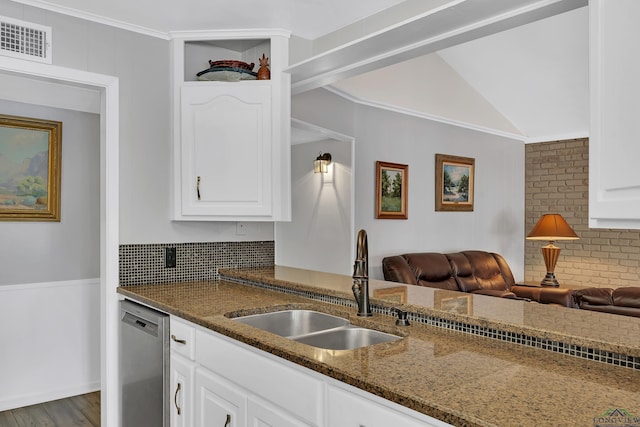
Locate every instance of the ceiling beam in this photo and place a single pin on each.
(456, 22)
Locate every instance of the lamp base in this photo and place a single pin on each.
(550, 280)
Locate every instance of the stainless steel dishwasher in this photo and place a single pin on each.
(144, 366)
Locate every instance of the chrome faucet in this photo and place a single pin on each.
(361, 275)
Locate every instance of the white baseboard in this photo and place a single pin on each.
(47, 396)
(51, 341)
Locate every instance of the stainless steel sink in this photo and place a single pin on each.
(316, 329)
(346, 338)
(293, 323)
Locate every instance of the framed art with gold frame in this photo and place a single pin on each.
(454, 183)
(392, 182)
(31, 153)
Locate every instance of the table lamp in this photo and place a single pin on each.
(551, 227)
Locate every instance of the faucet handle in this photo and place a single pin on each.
(402, 316)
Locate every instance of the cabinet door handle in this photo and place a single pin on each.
(175, 398)
(179, 341)
(198, 188)
(228, 422)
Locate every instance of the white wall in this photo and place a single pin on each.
(49, 291)
(50, 251)
(497, 222)
(51, 341)
(142, 65)
(319, 237)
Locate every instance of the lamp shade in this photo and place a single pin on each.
(552, 227)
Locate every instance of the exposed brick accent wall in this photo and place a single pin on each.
(557, 180)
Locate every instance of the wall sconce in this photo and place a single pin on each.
(321, 163)
(551, 227)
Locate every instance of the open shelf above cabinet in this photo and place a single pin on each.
(231, 130)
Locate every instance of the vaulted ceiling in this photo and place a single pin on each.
(529, 83)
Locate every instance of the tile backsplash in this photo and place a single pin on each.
(142, 264)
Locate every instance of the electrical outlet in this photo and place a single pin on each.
(170, 257)
(241, 228)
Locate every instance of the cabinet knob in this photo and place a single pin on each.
(179, 341)
(227, 423)
(198, 188)
(175, 399)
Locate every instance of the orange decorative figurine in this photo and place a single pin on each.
(263, 71)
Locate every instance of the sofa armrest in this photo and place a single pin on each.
(559, 296)
(495, 293)
(397, 269)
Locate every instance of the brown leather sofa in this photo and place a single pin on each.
(624, 301)
(476, 272)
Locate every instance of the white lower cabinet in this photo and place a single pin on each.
(231, 384)
(219, 403)
(261, 414)
(181, 386)
(182, 371)
(348, 409)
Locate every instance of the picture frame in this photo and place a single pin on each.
(392, 180)
(396, 294)
(456, 305)
(30, 169)
(454, 183)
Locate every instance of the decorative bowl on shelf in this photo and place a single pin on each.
(226, 74)
(231, 63)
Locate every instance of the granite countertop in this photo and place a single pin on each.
(602, 331)
(461, 379)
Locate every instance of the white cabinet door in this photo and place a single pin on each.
(226, 151)
(346, 409)
(614, 181)
(260, 414)
(275, 380)
(181, 386)
(219, 403)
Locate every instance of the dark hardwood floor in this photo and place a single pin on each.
(83, 410)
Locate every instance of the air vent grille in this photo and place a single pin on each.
(25, 40)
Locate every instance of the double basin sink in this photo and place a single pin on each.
(317, 329)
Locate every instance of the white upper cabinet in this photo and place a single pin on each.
(614, 177)
(231, 134)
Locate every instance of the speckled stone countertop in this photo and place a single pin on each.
(461, 379)
(603, 331)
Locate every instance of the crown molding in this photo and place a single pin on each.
(426, 116)
(94, 18)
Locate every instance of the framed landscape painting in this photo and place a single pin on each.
(454, 183)
(30, 161)
(391, 190)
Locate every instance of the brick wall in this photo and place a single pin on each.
(556, 181)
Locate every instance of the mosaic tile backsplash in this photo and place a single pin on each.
(145, 264)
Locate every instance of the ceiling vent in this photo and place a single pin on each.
(24, 40)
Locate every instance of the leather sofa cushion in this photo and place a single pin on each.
(481, 270)
(396, 269)
(432, 269)
(463, 272)
(594, 296)
(626, 297)
(624, 301)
